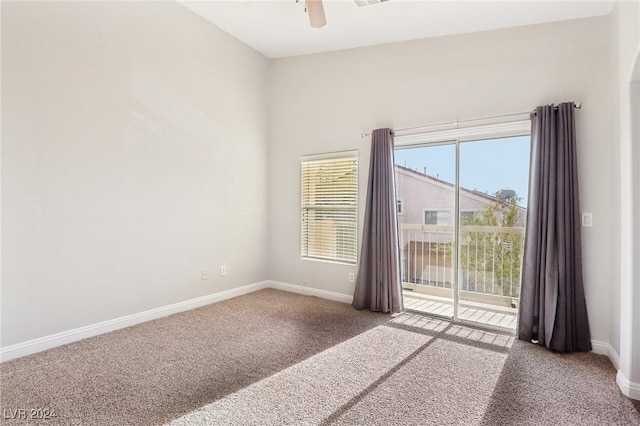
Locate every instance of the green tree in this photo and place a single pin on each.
(491, 248)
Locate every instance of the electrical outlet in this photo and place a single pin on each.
(223, 271)
(204, 274)
(352, 277)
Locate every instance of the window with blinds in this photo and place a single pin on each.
(329, 208)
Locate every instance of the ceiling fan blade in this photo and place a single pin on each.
(316, 13)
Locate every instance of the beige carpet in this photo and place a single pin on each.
(272, 357)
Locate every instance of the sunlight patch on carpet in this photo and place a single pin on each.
(447, 383)
(312, 390)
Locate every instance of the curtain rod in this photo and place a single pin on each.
(576, 105)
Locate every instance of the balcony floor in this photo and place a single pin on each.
(478, 313)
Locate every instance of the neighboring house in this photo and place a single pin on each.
(427, 200)
(490, 258)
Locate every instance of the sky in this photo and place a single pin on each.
(487, 165)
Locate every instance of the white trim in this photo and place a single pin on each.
(330, 155)
(58, 339)
(489, 131)
(613, 356)
(600, 348)
(332, 261)
(310, 291)
(627, 387)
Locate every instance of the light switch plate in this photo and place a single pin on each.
(587, 219)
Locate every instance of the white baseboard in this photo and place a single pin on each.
(309, 291)
(58, 339)
(47, 342)
(613, 356)
(629, 388)
(600, 348)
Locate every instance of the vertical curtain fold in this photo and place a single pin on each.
(553, 310)
(378, 286)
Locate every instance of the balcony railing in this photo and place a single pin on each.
(490, 260)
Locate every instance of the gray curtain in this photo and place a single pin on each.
(378, 287)
(553, 311)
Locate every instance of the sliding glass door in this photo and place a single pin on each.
(426, 197)
(461, 215)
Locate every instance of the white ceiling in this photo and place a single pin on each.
(279, 28)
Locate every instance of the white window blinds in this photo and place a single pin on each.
(329, 208)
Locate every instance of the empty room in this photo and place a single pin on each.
(315, 212)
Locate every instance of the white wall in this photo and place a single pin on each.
(616, 254)
(322, 102)
(135, 149)
(625, 310)
(133, 155)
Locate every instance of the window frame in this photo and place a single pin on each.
(424, 216)
(353, 208)
(472, 211)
